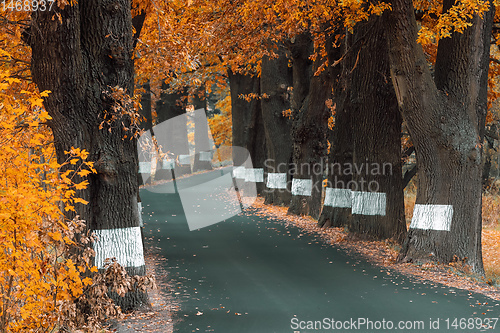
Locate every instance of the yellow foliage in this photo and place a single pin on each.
(287, 113)
(37, 280)
(456, 19)
(221, 124)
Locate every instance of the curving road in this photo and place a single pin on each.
(249, 274)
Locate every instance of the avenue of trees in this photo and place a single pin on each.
(320, 93)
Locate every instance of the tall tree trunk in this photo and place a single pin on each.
(301, 49)
(377, 196)
(203, 151)
(171, 133)
(275, 80)
(310, 124)
(147, 121)
(145, 111)
(79, 58)
(248, 127)
(490, 145)
(336, 210)
(445, 120)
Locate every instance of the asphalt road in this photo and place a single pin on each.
(249, 274)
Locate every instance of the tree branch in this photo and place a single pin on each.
(409, 174)
(495, 60)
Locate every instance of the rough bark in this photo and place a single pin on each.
(309, 135)
(340, 156)
(486, 180)
(248, 126)
(79, 57)
(377, 144)
(340, 137)
(275, 80)
(301, 50)
(445, 120)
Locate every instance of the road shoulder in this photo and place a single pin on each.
(379, 253)
(158, 318)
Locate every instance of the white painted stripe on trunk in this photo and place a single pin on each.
(255, 175)
(139, 209)
(239, 172)
(168, 164)
(184, 159)
(206, 156)
(144, 167)
(124, 244)
(276, 180)
(301, 187)
(368, 203)
(432, 217)
(338, 197)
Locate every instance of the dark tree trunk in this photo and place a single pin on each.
(145, 111)
(409, 174)
(248, 126)
(445, 119)
(491, 134)
(490, 144)
(377, 193)
(172, 134)
(79, 58)
(275, 80)
(147, 121)
(203, 151)
(310, 125)
(336, 210)
(300, 51)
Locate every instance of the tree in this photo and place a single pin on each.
(146, 123)
(377, 196)
(276, 84)
(248, 127)
(311, 90)
(201, 139)
(445, 118)
(82, 53)
(221, 126)
(337, 203)
(39, 279)
(145, 111)
(171, 134)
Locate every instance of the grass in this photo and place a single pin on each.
(491, 211)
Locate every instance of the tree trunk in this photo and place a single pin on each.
(377, 193)
(490, 144)
(275, 80)
(79, 58)
(301, 50)
(147, 122)
(203, 151)
(172, 134)
(336, 210)
(445, 121)
(248, 127)
(310, 125)
(145, 111)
